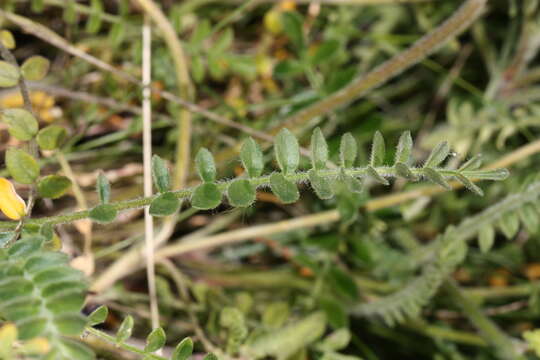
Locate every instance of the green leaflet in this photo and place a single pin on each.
(206, 167)
(437, 156)
(252, 158)
(183, 350)
(9, 75)
(51, 137)
(434, 176)
(348, 150)
(155, 340)
(241, 193)
(319, 150)
(160, 174)
(321, 185)
(164, 205)
(486, 238)
(206, 196)
(285, 190)
(372, 173)
(103, 213)
(103, 188)
(53, 186)
(404, 148)
(378, 150)
(22, 124)
(125, 330)
(35, 68)
(98, 316)
(22, 166)
(287, 151)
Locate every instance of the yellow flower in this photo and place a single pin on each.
(11, 204)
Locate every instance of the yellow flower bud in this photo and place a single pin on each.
(11, 204)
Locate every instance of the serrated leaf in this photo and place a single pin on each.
(509, 224)
(404, 148)
(164, 205)
(469, 184)
(22, 166)
(319, 150)
(22, 125)
(372, 173)
(53, 186)
(160, 174)
(206, 167)
(9, 75)
(321, 185)
(98, 316)
(472, 164)
(404, 171)
(241, 193)
(103, 188)
(183, 350)
(348, 149)
(529, 217)
(378, 150)
(496, 174)
(284, 189)
(486, 238)
(155, 340)
(206, 196)
(287, 151)
(103, 213)
(51, 137)
(438, 154)
(436, 177)
(125, 329)
(35, 68)
(252, 158)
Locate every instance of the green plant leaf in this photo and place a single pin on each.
(6, 37)
(348, 149)
(275, 314)
(210, 356)
(241, 193)
(252, 158)
(351, 183)
(160, 174)
(404, 171)
(98, 316)
(9, 75)
(284, 189)
(22, 166)
(22, 124)
(343, 283)
(155, 340)
(337, 340)
(496, 174)
(321, 185)
(319, 150)
(35, 68)
(206, 196)
(472, 164)
(183, 350)
(469, 184)
(287, 151)
(438, 154)
(404, 148)
(292, 25)
(509, 224)
(378, 150)
(125, 330)
(103, 213)
(51, 137)
(164, 205)
(486, 238)
(325, 52)
(103, 188)
(53, 186)
(206, 168)
(529, 217)
(94, 20)
(434, 176)
(376, 176)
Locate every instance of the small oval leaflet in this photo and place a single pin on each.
(22, 124)
(404, 171)
(160, 174)
(378, 150)
(9, 75)
(486, 238)
(206, 168)
(252, 158)
(35, 68)
(53, 186)
(321, 185)
(376, 176)
(183, 350)
(155, 340)
(51, 137)
(348, 149)
(241, 193)
(436, 177)
(206, 196)
(164, 205)
(287, 151)
(319, 150)
(98, 316)
(103, 213)
(509, 224)
(404, 148)
(22, 166)
(103, 188)
(284, 189)
(125, 329)
(437, 155)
